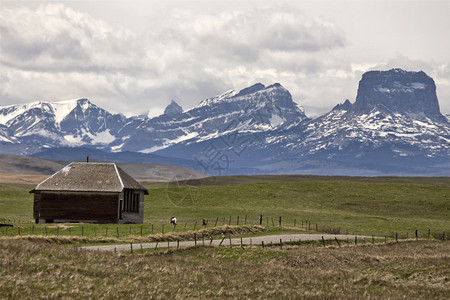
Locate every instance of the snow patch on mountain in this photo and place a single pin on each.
(62, 109)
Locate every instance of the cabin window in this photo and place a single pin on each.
(130, 201)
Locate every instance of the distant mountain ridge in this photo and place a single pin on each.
(394, 127)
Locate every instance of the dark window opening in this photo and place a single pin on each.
(130, 201)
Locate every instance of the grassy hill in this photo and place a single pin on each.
(357, 206)
(16, 168)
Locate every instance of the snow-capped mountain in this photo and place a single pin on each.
(394, 127)
(64, 123)
(254, 109)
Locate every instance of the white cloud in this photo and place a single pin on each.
(184, 52)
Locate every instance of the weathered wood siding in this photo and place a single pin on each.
(76, 206)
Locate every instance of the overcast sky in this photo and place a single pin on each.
(135, 56)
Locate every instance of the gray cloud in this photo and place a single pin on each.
(186, 52)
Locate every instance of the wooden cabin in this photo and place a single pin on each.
(91, 193)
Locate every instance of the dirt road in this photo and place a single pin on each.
(267, 239)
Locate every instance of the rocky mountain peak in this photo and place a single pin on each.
(250, 90)
(400, 91)
(173, 108)
(343, 106)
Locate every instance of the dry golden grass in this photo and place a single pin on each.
(418, 270)
(22, 178)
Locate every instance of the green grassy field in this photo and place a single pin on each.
(372, 206)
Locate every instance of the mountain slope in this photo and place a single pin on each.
(394, 127)
(255, 109)
(55, 124)
(400, 132)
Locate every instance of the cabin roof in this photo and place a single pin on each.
(90, 177)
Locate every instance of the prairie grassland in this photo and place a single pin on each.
(357, 207)
(361, 206)
(414, 270)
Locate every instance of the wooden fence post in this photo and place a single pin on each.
(220, 244)
(396, 237)
(242, 245)
(337, 241)
(217, 219)
(229, 237)
(195, 224)
(323, 241)
(156, 246)
(279, 222)
(417, 234)
(195, 239)
(262, 244)
(131, 247)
